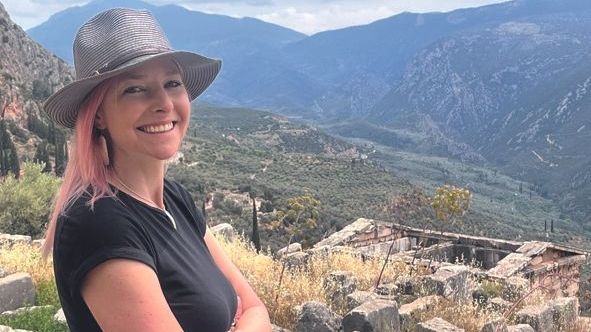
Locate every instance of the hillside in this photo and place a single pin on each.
(513, 95)
(28, 75)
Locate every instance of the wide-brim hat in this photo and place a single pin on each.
(116, 41)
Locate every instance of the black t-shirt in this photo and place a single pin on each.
(199, 295)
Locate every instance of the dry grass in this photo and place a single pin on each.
(299, 286)
(25, 258)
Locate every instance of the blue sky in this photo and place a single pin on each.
(307, 16)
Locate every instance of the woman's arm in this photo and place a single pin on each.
(254, 316)
(125, 295)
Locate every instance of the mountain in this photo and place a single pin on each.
(514, 94)
(28, 75)
(247, 46)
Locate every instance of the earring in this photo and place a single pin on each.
(104, 150)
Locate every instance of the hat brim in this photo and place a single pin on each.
(198, 73)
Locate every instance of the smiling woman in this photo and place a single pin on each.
(131, 251)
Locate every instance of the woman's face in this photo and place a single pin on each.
(146, 113)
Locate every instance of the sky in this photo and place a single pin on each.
(306, 16)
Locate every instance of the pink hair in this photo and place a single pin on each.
(85, 172)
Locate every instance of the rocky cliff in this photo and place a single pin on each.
(28, 75)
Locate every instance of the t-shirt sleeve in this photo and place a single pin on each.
(89, 238)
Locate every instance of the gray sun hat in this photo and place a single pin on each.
(115, 41)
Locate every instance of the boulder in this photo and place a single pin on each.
(495, 325)
(450, 282)
(316, 316)
(437, 325)
(224, 230)
(10, 240)
(60, 316)
(520, 328)
(565, 311)
(294, 247)
(388, 289)
(373, 316)
(357, 298)
(409, 313)
(297, 260)
(9, 329)
(540, 317)
(16, 291)
(338, 285)
(406, 285)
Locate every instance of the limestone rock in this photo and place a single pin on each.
(437, 325)
(386, 289)
(495, 325)
(275, 328)
(357, 298)
(520, 328)
(294, 247)
(16, 291)
(540, 317)
(315, 316)
(450, 282)
(373, 316)
(224, 230)
(409, 313)
(499, 305)
(338, 285)
(11, 240)
(565, 311)
(296, 260)
(60, 316)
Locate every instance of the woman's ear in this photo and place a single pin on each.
(99, 120)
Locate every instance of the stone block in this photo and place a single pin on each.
(409, 313)
(565, 311)
(450, 282)
(296, 261)
(338, 285)
(540, 317)
(16, 291)
(294, 247)
(316, 316)
(495, 325)
(224, 230)
(373, 316)
(520, 328)
(60, 316)
(357, 298)
(437, 325)
(406, 285)
(9, 240)
(386, 289)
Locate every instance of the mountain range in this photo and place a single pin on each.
(503, 85)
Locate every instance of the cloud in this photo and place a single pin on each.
(308, 16)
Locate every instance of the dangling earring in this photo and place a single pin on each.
(104, 150)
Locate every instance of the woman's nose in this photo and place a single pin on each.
(162, 100)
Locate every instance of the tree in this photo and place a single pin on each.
(42, 156)
(256, 238)
(25, 203)
(450, 204)
(9, 162)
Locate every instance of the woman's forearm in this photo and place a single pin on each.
(254, 319)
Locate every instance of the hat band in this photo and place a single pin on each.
(118, 62)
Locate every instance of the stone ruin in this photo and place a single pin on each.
(399, 306)
(453, 261)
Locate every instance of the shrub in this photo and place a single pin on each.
(25, 203)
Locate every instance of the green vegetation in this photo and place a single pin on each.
(232, 149)
(40, 319)
(25, 203)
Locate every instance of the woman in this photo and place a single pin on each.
(131, 251)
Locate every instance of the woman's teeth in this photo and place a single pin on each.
(157, 129)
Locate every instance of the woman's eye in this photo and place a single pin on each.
(133, 89)
(174, 84)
